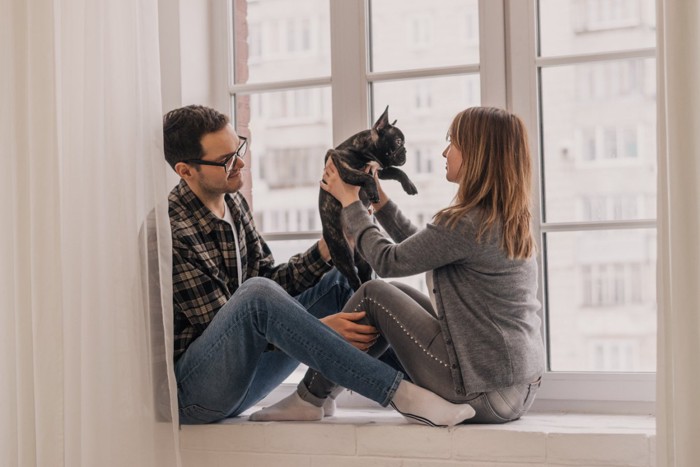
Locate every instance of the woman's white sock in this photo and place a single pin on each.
(421, 406)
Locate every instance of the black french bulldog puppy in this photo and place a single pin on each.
(381, 146)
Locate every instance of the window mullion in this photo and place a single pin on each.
(349, 66)
(522, 91)
(492, 53)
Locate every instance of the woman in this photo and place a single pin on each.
(476, 338)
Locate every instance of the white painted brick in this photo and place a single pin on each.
(200, 458)
(225, 437)
(404, 441)
(598, 449)
(445, 463)
(475, 443)
(337, 461)
(268, 460)
(310, 438)
(243, 459)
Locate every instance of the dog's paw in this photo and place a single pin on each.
(373, 196)
(409, 188)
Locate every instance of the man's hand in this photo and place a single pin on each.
(323, 249)
(361, 336)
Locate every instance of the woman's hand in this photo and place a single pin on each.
(331, 182)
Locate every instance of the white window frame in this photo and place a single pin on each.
(509, 71)
(569, 391)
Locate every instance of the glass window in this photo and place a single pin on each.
(601, 288)
(281, 40)
(409, 34)
(591, 113)
(291, 132)
(571, 27)
(598, 134)
(602, 145)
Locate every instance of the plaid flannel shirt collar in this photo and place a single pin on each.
(199, 213)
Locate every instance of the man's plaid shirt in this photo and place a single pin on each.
(204, 261)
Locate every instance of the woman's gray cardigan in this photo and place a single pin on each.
(487, 303)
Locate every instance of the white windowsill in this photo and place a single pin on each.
(381, 437)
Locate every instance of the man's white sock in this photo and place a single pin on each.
(290, 408)
(329, 407)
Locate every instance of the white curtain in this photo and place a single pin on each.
(678, 376)
(85, 367)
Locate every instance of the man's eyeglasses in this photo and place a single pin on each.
(230, 162)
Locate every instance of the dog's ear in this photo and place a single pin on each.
(382, 122)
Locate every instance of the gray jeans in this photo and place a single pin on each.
(407, 322)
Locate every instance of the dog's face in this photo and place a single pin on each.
(387, 142)
(383, 143)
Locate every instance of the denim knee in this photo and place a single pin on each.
(376, 288)
(259, 286)
(257, 294)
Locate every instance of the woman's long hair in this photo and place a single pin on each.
(495, 176)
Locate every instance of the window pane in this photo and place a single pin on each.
(410, 34)
(424, 109)
(599, 141)
(601, 300)
(571, 27)
(279, 39)
(290, 134)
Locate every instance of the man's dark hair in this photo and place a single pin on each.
(183, 129)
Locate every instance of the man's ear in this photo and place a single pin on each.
(382, 122)
(183, 170)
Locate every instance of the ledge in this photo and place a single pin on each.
(380, 437)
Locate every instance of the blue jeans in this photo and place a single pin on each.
(229, 368)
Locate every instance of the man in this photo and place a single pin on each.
(216, 248)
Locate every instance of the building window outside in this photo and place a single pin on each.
(610, 143)
(613, 80)
(470, 36)
(607, 285)
(601, 15)
(425, 160)
(613, 207)
(420, 32)
(614, 354)
(423, 97)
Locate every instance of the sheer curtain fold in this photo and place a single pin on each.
(678, 375)
(86, 346)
